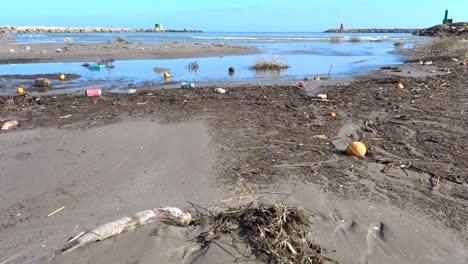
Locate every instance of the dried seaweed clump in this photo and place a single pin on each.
(275, 234)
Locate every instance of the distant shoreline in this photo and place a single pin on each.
(40, 29)
(373, 30)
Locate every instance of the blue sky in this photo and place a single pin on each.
(239, 15)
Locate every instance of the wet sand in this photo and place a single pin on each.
(74, 52)
(109, 157)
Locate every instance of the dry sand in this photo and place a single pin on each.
(73, 52)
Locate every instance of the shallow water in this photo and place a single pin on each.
(307, 54)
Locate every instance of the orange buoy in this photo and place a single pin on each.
(167, 75)
(357, 149)
(20, 90)
(332, 115)
(400, 85)
(62, 77)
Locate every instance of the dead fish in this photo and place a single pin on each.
(168, 215)
(9, 125)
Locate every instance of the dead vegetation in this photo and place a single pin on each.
(274, 233)
(271, 64)
(192, 66)
(447, 47)
(398, 44)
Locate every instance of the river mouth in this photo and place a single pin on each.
(306, 54)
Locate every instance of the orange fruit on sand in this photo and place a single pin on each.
(62, 77)
(167, 75)
(20, 90)
(357, 149)
(332, 114)
(399, 85)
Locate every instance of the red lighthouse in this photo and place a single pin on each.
(342, 27)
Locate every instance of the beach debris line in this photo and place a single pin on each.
(356, 149)
(10, 125)
(168, 215)
(269, 64)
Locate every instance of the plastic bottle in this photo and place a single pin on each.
(187, 85)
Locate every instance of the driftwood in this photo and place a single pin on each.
(168, 215)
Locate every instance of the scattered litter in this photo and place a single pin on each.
(59, 50)
(56, 211)
(12, 50)
(300, 84)
(220, 90)
(9, 125)
(317, 78)
(142, 103)
(455, 59)
(322, 96)
(93, 92)
(28, 48)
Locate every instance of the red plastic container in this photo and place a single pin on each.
(93, 92)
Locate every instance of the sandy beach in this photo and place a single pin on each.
(73, 52)
(77, 162)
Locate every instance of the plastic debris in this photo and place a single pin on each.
(9, 125)
(220, 90)
(93, 92)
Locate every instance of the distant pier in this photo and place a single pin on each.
(34, 29)
(372, 30)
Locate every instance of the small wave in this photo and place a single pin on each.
(32, 36)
